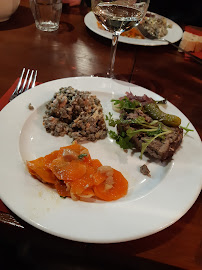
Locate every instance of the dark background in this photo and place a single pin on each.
(180, 11)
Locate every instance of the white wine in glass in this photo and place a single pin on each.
(117, 17)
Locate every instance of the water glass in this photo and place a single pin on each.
(46, 14)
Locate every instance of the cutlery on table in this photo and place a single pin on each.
(147, 35)
(9, 219)
(23, 85)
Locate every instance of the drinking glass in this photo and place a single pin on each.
(117, 16)
(46, 14)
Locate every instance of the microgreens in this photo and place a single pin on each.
(154, 130)
(186, 129)
(126, 104)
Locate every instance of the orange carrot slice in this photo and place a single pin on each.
(62, 188)
(78, 150)
(67, 170)
(99, 178)
(88, 193)
(80, 185)
(95, 163)
(38, 169)
(118, 190)
(50, 157)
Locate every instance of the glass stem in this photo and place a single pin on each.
(115, 38)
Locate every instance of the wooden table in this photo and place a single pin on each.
(76, 51)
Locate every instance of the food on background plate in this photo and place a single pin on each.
(132, 33)
(73, 173)
(75, 113)
(143, 126)
(155, 25)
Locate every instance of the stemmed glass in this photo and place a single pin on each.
(117, 16)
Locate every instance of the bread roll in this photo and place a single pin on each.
(190, 42)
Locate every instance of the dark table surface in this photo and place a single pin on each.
(72, 51)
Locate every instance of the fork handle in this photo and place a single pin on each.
(179, 48)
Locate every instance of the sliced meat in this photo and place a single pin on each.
(161, 148)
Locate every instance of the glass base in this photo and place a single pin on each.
(48, 26)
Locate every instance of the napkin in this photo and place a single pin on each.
(192, 41)
(4, 100)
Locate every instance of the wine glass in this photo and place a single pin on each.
(117, 16)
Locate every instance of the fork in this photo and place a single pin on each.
(28, 83)
(146, 34)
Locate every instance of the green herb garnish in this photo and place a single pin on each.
(126, 104)
(148, 141)
(139, 121)
(82, 156)
(186, 129)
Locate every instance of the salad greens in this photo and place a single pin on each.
(112, 122)
(128, 128)
(123, 139)
(126, 104)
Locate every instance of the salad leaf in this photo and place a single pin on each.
(157, 131)
(113, 135)
(126, 104)
(122, 140)
(139, 121)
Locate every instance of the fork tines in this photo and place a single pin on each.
(23, 85)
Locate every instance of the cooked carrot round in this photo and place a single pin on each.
(68, 170)
(87, 193)
(76, 175)
(99, 178)
(95, 163)
(50, 157)
(80, 185)
(118, 190)
(38, 169)
(62, 188)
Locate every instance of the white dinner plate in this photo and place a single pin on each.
(174, 33)
(152, 203)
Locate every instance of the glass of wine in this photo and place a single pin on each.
(117, 16)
